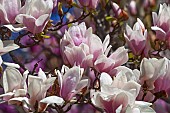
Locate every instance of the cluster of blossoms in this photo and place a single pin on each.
(128, 79)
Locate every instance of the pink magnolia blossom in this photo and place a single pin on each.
(13, 83)
(89, 3)
(161, 23)
(42, 84)
(132, 7)
(116, 9)
(125, 71)
(70, 81)
(16, 89)
(161, 83)
(80, 46)
(115, 95)
(77, 55)
(37, 88)
(107, 64)
(35, 14)
(9, 9)
(140, 107)
(152, 70)
(136, 38)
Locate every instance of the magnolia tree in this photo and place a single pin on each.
(85, 56)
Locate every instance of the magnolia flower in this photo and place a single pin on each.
(88, 45)
(161, 22)
(36, 88)
(14, 83)
(125, 71)
(107, 64)
(140, 107)
(132, 7)
(115, 93)
(35, 14)
(110, 103)
(42, 84)
(153, 69)
(92, 4)
(116, 9)
(77, 55)
(80, 46)
(50, 100)
(136, 38)
(161, 83)
(149, 3)
(70, 81)
(7, 46)
(78, 33)
(9, 9)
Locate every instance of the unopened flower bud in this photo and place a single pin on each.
(60, 10)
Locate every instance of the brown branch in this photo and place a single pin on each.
(18, 39)
(83, 16)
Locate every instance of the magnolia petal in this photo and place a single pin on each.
(12, 9)
(83, 83)
(106, 42)
(42, 20)
(120, 56)
(60, 78)
(141, 24)
(15, 28)
(12, 79)
(20, 93)
(11, 64)
(147, 69)
(132, 85)
(155, 17)
(71, 77)
(18, 100)
(34, 90)
(53, 100)
(41, 74)
(128, 30)
(3, 18)
(8, 46)
(105, 79)
(87, 61)
(155, 28)
(7, 96)
(49, 82)
(1, 61)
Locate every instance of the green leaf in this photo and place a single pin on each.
(109, 18)
(45, 36)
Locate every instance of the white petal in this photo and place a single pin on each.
(11, 64)
(15, 28)
(12, 79)
(42, 75)
(53, 100)
(106, 42)
(105, 79)
(155, 28)
(83, 83)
